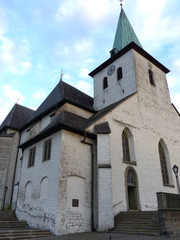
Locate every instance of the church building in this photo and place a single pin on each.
(80, 160)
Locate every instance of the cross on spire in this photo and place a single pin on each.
(121, 3)
(61, 75)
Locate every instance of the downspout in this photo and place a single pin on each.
(14, 175)
(92, 180)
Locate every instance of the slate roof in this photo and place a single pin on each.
(102, 128)
(124, 33)
(17, 117)
(130, 46)
(95, 117)
(62, 93)
(65, 120)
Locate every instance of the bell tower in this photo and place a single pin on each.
(115, 79)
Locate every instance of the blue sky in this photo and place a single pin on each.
(38, 38)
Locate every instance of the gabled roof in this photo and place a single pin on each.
(17, 117)
(65, 120)
(62, 93)
(138, 49)
(124, 33)
(105, 111)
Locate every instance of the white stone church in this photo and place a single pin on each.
(77, 161)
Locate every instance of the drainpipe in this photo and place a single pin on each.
(4, 197)
(92, 182)
(14, 175)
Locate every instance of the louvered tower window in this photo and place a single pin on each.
(119, 73)
(164, 170)
(125, 144)
(105, 82)
(151, 77)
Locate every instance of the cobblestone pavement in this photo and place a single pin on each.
(107, 236)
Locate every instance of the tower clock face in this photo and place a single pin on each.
(111, 70)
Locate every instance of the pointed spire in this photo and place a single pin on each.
(124, 33)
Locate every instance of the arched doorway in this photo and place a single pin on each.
(132, 189)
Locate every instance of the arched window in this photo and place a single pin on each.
(105, 82)
(44, 189)
(28, 191)
(125, 145)
(151, 77)
(163, 162)
(131, 177)
(119, 73)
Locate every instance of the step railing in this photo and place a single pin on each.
(168, 201)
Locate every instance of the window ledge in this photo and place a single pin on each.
(131, 163)
(166, 185)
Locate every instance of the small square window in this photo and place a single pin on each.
(75, 202)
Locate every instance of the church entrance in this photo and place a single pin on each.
(131, 189)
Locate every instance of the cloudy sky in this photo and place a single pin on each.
(38, 38)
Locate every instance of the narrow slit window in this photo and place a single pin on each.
(119, 73)
(151, 77)
(31, 159)
(47, 150)
(105, 82)
(164, 170)
(125, 145)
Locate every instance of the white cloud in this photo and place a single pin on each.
(85, 87)
(14, 55)
(172, 81)
(12, 94)
(39, 95)
(175, 99)
(93, 9)
(84, 72)
(177, 63)
(84, 45)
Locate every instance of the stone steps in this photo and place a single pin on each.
(137, 223)
(11, 229)
(24, 234)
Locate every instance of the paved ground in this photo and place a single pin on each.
(107, 236)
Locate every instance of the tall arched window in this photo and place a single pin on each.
(105, 82)
(163, 162)
(119, 73)
(125, 145)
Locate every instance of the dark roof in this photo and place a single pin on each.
(65, 120)
(102, 128)
(62, 93)
(105, 110)
(17, 117)
(130, 46)
(175, 109)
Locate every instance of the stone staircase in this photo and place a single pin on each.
(11, 228)
(137, 223)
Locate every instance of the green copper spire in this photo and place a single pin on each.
(124, 33)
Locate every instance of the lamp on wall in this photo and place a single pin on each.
(175, 170)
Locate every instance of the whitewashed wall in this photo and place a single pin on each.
(38, 210)
(150, 117)
(116, 90)
(75, 161)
